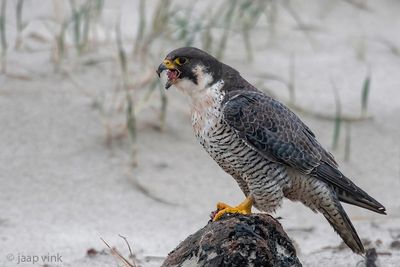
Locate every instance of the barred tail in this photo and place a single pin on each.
(338, 219)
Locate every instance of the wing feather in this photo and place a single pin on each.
(273, 130)
(279, 135)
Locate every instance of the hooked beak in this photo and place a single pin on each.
(160, 69)
(168, 65)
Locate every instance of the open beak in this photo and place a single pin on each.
(173, 72)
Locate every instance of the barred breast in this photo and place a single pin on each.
(257, 176)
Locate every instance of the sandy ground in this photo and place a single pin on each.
(62, 188)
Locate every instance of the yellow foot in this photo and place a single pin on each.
(242, 208)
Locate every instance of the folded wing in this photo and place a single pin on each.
(279, 135)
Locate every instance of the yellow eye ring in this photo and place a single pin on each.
(181, 60)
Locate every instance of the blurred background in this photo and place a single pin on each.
(93, 146)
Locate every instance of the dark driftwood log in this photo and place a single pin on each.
(236, 240)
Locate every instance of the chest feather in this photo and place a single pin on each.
(206, 110)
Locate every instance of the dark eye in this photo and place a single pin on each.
(181, 60)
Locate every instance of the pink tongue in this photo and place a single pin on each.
(172, 75)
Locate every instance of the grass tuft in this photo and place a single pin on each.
(130, 114)
(172, 24)
(118, 255)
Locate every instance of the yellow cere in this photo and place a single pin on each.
(168, 63)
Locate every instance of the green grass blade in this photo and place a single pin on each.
(122, 55)
(347, 143)
(3, 35)
(131, 126)
(141, 25)
(292, 79)
(76, 19)
(338, 118)
(60, 43)
(336, 131)
(18, 15)
(365, 94)
(227, 25)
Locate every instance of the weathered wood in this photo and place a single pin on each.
(236, 240)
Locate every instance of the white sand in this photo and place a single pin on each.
(62, 188)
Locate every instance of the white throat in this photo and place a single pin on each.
(206, 110)
(193, 90)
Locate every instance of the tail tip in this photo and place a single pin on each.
(382, 210)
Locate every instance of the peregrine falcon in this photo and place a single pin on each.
(263, 145)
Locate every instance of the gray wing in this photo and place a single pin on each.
(279, 135)
(274, 131)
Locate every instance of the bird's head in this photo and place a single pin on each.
(190, 69)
